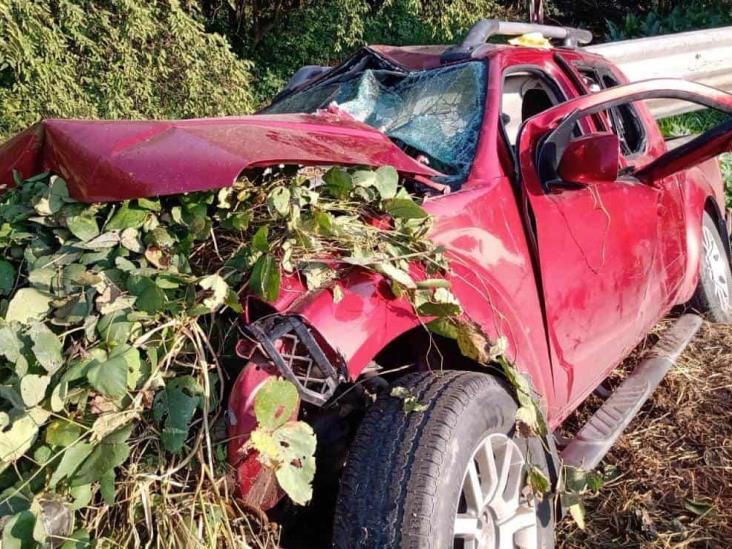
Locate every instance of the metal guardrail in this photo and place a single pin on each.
(703, 56)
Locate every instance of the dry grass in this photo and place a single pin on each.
(672, 469)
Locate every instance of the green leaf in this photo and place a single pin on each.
(72, 457)
(278, 201)
(162, 238)
(233, 302)
(127, 217)
(42, 279)
(53, 201)
(83, 227)
(338, 183)
(82, 496)
(441, 303)
(33, 388)
(387, 180)
(439, 309)
(444, 327)
(265, 278)
(275, 402)
(107, 488)
(79, 540)
(59, 193)
(595, 481)
(405, 208)
(114, 328)
(58, 396)
(296, 440)
(102, 242)
(260, 239)
(130, 239)
(47, 347)
(110, 377)
(103, 459)
(579, 481)
(62, 433)
(28, 304)
(16, 441)
(152, 204)
(11, 345)
(42, 454)
(151, 300)
(238, 221)
(537, 480)
(364, 178)
(11, 395)
(396, 274)
(7, 277)
(175, 405)
(18, 531)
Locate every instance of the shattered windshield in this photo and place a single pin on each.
(434, 113)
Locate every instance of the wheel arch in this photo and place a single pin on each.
(703, 191)
(711, 206)
(454, 361)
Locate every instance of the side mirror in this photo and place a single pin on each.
(591, 159)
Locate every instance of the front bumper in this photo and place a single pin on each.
(295, 351)
(275, 345)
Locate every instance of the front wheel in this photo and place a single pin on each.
(450, 476)
(712, 295)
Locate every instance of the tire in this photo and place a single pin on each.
(403, 482)
(712, 295)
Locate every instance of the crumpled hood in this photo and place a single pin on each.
(116, 160)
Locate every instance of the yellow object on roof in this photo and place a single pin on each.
(531, 40)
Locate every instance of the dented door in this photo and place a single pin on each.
(602, 247)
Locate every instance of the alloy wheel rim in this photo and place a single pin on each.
(715, 263)
(493, 511)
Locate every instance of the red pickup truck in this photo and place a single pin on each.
(571, 229)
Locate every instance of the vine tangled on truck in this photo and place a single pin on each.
(114, 316)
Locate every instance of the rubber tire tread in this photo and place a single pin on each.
(395, 482)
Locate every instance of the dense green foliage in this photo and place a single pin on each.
(697, 122)
(697, 14)
(113, 59)
(281, 37)
(129, 59)
(111, 380)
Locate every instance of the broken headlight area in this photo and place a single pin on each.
(298, 354)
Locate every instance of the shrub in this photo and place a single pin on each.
(689, 16)
(327, 31)
(691, 123)
(113, 59)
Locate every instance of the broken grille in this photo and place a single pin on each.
(293, 349)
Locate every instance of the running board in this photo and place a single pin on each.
(597, 436)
